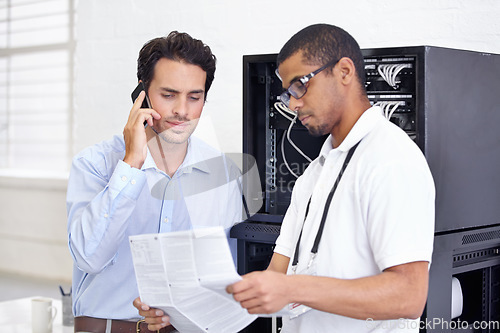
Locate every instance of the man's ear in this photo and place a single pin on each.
(347, 70)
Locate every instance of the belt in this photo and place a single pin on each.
(98, 325)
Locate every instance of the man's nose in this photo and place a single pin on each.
(295, 104)
(181, 108)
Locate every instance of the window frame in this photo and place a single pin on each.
(7, 53)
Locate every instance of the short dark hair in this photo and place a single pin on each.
(177, 46)
(322, 43)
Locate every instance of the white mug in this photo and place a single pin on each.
(42, 315)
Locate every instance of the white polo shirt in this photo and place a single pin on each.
(382, 215)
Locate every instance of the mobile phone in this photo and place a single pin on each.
(145, 103)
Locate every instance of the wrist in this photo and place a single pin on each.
(295, 286)
(133, 163)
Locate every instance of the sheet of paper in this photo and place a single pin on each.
(212, 266)
(191, 270)
(149, 270)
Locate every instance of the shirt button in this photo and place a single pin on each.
(165, 220)
(124, 178)
(132, 182)
(106, 215)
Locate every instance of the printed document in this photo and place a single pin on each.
(185, 274)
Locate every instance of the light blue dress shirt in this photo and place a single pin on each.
(107, 201)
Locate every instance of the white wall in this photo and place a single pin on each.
(110, 34)
(33, 226)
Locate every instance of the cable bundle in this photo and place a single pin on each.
(389, 73)
(389, 107)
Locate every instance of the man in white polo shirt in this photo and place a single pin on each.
(352, 257)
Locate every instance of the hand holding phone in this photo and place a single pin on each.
(134, 134)
(145, 103)
(140, 87)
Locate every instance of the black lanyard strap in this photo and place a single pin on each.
(319, 234)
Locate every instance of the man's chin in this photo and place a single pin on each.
(314, 131)
(174, 136)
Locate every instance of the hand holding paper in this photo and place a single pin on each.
(185, 274)
(261, 292)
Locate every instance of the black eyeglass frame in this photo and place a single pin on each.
(298, 88)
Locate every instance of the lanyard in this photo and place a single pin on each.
(314, 249)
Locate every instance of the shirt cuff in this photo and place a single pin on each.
(127, 180)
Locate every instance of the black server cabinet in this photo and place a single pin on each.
(453, 96)
(446, 101)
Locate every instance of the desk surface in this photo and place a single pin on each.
(15, 316)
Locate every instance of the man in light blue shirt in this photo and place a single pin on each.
(154, 178)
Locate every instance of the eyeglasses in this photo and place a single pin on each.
(298, 88)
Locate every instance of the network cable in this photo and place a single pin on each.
(285, 112)
(283, 109)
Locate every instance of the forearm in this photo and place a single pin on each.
(279, 263)
(97, 218)
(392, 294)
(95, 235)
(398, 292)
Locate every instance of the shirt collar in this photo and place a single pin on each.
(361, 128)
(194, 159)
